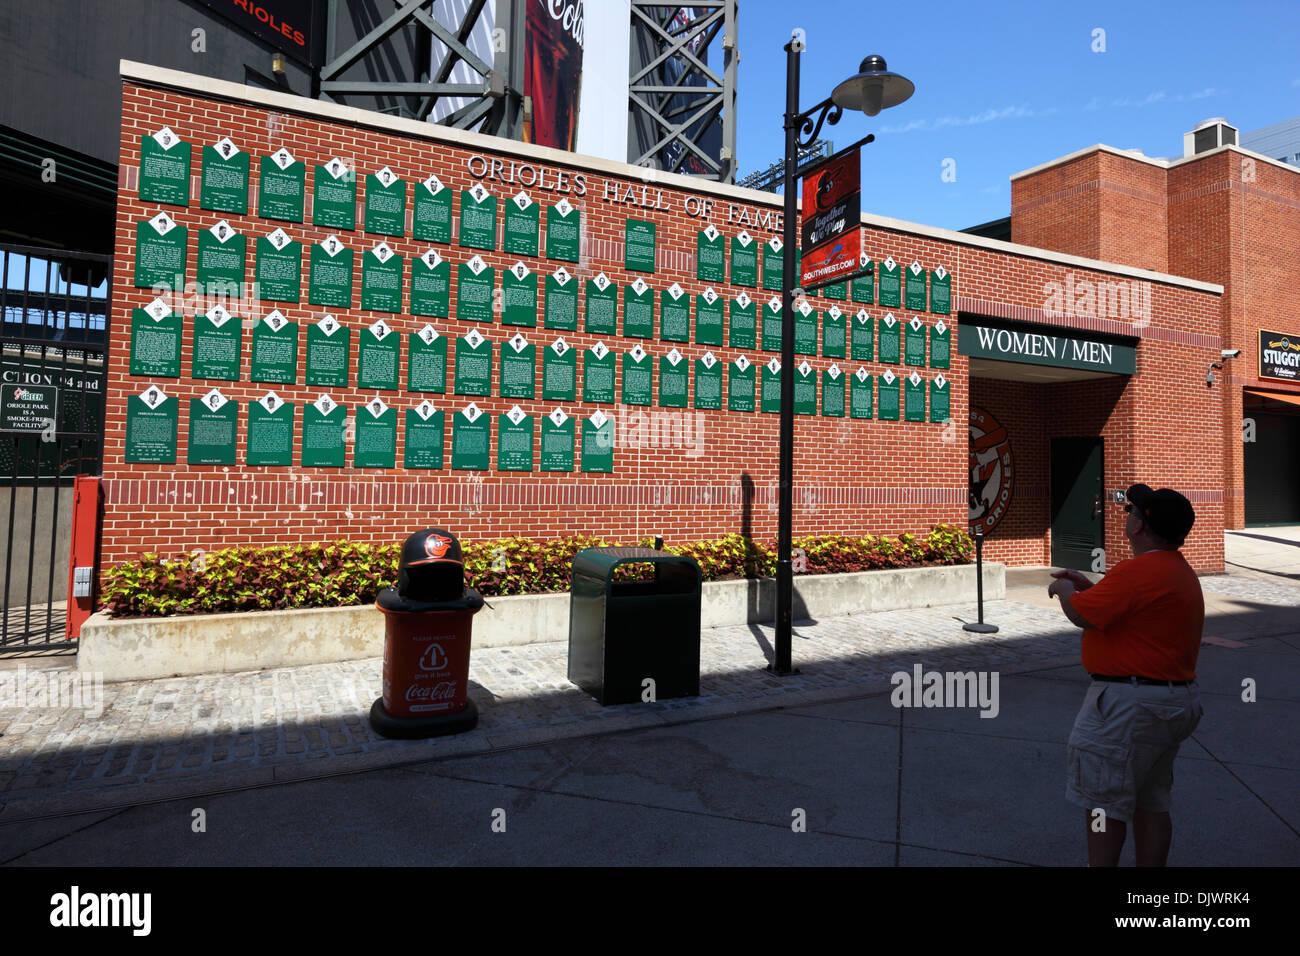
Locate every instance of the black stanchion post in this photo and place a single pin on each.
(980, 627)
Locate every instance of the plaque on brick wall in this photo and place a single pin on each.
(675, 315)
(151, 427)
(891, 282)
(940, 405)
(862, 337)
(156, 341)
(474, 282)
(561, 308)
(638, 375)
(214, 423)
(833, 392)
(710, 253)
(805, 389)
(770, 395)
(431, 220)
(639, 245)
(941, 291)
(478, 218)
(742, 322)
(940, 344)
(329, 352)
(334, 201)
(430, 285)
(914, 398)
(515, 431)
(219, 262)
(740, 385)
(471, 439)
(424, 437)
(915, 288)
(602, 307)
(216, 345)
(805, 329)
(860, 394)
(473, 364)
(598, 443)
(385, 203)
(519, 294)
(379, 355)
(557, 442)
(598, 375)
(324, 430)
(278, 272)
(518, 368)
(426, 363)
(559, 372)
(744, 260)
(270, 432)
(890, 335)
(375, 445)
(519, 237)
(275, 350)
(563, 232)
(914, 342)
(160, 254)
(223, 185)
(836, 290)
(708, 318)
(329, 278)
(638, 310)
(280, 186)
(888, 400)
(773, 322)
(381, 279)
(834, 333)
(673, 373)
(864, 287)
(164, 168)
(708, 382)
(774, 264)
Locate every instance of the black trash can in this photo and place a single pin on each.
(623, 632)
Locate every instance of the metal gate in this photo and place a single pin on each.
(55, 334)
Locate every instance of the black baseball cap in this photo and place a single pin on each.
(432, 567)
(1164, 511)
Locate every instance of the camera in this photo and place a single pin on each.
(1230, 353)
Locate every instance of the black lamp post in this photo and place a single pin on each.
(870, 90)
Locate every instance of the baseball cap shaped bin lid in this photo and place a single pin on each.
(430, 574)
(1165, 511)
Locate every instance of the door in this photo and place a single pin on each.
(1272, 462)
(1078, 526)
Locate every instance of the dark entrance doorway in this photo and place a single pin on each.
(1078, 523)
(1272, 458)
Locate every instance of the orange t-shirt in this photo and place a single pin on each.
(1147, 614)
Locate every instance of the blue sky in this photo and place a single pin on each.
(1003, 87)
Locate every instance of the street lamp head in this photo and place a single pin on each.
(873, 88)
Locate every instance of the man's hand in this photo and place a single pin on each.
(1061, 586)
(1076, 578)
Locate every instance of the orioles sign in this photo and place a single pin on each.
(992, 471)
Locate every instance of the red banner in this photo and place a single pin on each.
(830, 221)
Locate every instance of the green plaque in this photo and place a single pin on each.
(515, 432)
(638, 310)
(424, 437)
(474, 284)
(214, 421)
(426, 367)
(914, 398)
(638, 376)
(836, 290)
(742, 322)
(598, 375)
(891, 282)
(673, 374)
(557, 442)
(216, 345)
(275, 350)
(281, 186)
(473, 364)
(431, 222)
(270, 432)
(471, 439)
(773, 320)
(563, 233)
(164, 168)
(890, 335)
(940, 344)
(334, 203)
(675, 315)
(279, 267)
(518, 368)
(223, 185)
(914, 342)
(862, 337)
(833, 392)
(324, 433)
(889, 385)
(708, 318)
(329, 278)
(710, 255)
(559, 372)
(915, 288)
(379, 355)
(519, 294)
(160, 254)
(376, 438)
(940, 405)
(478, 221)
(770, 396)
(740, 385)
(805, 329)
(561, 310)
(864, 287)
(156, 341)
(941, 291)
(774, 265)
(219, 264)
(805, 389)
(381, 279)
(151, 427)
(834, 333)
(639, 247)
(519, 237)
(708, 381)
(598, 443)
(744, 260)
(386, 209)
(329, 352)
(602, 307)
(430, 285)
(860, 394)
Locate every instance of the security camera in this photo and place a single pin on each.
(1230, 353)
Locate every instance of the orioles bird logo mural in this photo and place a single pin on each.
(991, 472)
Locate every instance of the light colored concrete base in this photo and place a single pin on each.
(147, 648)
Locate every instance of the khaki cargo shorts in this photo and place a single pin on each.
(1121, 751)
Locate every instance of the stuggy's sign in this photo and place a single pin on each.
(1279, 356)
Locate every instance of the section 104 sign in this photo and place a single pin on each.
(830, 222)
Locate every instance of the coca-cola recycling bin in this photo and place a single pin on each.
(427, 623)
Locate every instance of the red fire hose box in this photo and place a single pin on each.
(427, 623)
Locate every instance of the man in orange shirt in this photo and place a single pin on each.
(1142, 632)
